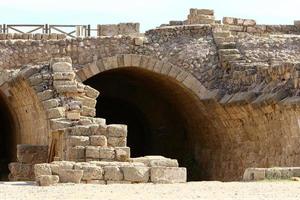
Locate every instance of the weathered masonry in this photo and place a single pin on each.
(217, 96)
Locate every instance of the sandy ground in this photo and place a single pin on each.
(192, 190)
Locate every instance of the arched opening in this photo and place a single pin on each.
(163, 116)
(7, 138)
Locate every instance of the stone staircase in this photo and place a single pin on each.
(226, 47)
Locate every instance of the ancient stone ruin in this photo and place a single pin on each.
(213, 97)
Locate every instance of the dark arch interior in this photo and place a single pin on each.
(7, 138)
(160, 113)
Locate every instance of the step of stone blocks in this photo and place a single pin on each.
(105, 172)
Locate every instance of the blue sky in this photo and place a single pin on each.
(150, 13)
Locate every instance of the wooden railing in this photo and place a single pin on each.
(68, 30)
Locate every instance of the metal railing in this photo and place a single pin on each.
(68, 30)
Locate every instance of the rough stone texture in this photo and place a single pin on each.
(70, 175)
(113, 173)
(136, 174)
(32, 154)
(90, 172)
(168, 175)
(47, 180)
(21, 172)
(42, 169)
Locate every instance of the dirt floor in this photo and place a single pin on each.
(284, 190)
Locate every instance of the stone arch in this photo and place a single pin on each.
(23, 117)
(188, 107)
(145, 62)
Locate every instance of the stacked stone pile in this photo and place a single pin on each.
(155, 169)
(201, 16)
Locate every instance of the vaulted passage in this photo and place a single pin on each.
(7, 138)
(162, 116)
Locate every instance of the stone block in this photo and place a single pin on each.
(168, 175)
(73, 115)
(156, 161)
(296, 171)
(254, 174)
(92, 152)
(58, 124)
(20, 172)
(63, 76)
(122, 153)
(106, 153)
(273, 173)
(81, 130)
(297, 23)
(249, 22)
(66, 88)
(91, 92)
(70, 175)
(113, 173)
(117, 141)
(42, 169)
(93, 129)
(32, 154)
(116, 130)
(47, 180)
(76, 153)
(89, 102)
(78, 141)
(55, 113)
(136, 174)
(61, 165)
(87, 111)
(138, 41)
(98, 140)
(62, 67)
(286, 173)
(90, 172)
(51, 103)
(229, 20)
(45, 95)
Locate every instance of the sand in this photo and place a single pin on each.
(283, 190)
